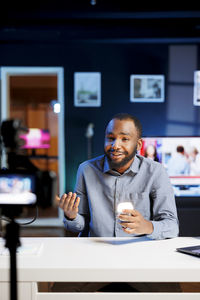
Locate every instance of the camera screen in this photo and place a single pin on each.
(17, 189)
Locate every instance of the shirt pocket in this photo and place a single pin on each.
(141, 203)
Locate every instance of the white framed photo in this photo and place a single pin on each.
(147, 88)
(87, 89)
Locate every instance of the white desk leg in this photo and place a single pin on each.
(34, 290)
(24, 290)
(4, 290)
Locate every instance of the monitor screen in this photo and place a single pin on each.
(36, 139)
(181, 158)
(17, 188)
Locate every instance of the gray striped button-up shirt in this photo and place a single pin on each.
(146, 184)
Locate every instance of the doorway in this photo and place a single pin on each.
(30, 95)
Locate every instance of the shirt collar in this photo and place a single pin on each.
(134, 168)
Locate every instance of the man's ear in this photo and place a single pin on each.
(139, 144)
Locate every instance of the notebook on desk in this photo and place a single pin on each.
(193, 250)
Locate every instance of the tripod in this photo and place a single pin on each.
(12, 242)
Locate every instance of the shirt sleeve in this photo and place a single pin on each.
(165, 220)
(75, 225)
(80, 222)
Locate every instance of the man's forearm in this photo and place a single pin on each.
(164, 229)
(75, 225)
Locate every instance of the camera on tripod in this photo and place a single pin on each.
(21, 182)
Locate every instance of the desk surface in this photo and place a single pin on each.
(103, 259)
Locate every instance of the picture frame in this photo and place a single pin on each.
(87, 89)
(147, 88)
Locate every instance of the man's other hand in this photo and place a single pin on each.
(69, 204)
(133, 222)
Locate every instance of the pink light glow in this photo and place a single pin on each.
(36, 139)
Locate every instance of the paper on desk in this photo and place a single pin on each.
(25, 249)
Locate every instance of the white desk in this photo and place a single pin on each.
(100, 259)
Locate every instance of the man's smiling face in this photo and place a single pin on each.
(121, 143)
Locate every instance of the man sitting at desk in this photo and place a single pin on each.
(120, 175)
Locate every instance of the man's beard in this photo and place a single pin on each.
(123, 162)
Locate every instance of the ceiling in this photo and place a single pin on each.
(107, 19)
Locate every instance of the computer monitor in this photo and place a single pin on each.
(180, 155)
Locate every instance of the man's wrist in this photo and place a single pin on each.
(69, 219)
(150, 227)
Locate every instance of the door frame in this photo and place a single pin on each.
(5, 73)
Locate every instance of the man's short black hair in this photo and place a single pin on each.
(136, 121)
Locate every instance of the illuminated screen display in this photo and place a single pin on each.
(17, 189)
(36, 139)
(181, 158)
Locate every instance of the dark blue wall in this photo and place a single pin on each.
(116, 62)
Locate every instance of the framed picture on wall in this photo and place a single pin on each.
(87, 89)
(147, 88)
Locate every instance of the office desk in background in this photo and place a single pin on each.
(100, 260)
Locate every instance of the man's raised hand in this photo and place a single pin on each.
(69, 204)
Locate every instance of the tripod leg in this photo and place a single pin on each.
(12, 242)
(13, 275)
